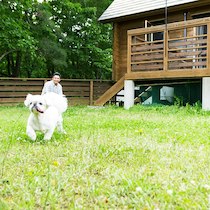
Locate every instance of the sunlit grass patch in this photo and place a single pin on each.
(143, 158)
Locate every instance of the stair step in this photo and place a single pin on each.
(110, 92)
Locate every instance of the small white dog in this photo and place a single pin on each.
(46, 114)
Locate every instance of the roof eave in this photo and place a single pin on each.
(132, 16)
(154, 12)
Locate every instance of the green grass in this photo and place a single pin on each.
(143, 158)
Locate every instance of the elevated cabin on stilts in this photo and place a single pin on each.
(161, 51)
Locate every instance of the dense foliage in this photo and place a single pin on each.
(38, 38)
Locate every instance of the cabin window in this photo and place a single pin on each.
(154, 36)
(200, 30)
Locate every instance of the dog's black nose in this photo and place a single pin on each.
(34, 106)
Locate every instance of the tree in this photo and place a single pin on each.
(37, 39)
(88, 49)
(15, 36)
(47, 34)
(100, 5)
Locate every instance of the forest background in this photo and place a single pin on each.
(39, 38)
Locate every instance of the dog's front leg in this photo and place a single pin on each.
(48, 134)
(31, 133)
(60, 125)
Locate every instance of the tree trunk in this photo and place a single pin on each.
(17, 65)
(8, 66)
(12, 65)
(50, 69)
(6, 53)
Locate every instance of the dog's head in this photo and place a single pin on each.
(36, 103)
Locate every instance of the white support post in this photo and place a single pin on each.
(128, 93)
(206, 93)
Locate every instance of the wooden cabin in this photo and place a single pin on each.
(159, 42)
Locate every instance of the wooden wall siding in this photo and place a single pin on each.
(120, 58)
(116, 51)
(78, 92)
(184, 46)
(120, 45)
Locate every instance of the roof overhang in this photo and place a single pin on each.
(116, 13)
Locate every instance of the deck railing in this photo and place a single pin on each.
(181, 46)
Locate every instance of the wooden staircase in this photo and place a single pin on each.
(110, 92)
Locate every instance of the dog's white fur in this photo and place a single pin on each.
(46, 114)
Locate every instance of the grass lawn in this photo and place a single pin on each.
(144, 158)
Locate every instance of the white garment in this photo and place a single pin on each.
(51, 87)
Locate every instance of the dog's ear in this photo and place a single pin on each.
(28, 100)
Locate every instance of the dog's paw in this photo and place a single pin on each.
(32, 135)
(62, 131)
(48, 135)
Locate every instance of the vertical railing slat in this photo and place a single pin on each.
(165, 57)
(91, 92)
(208, 47)
(129, 54)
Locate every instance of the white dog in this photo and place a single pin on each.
(46, 114)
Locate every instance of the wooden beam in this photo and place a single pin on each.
(184, 54)
(147, 52)
(21, 88)
(165, 63)
(184, 73)
(147, 67)
(185, 59)
(146, 42)
(147, 62)
(186, 43)
(188, 37)
(147, 47)
(187, 48)
(146, 57)
(91, 92)
(171, 26)
(169, 83)
(129, 54)
(116, 60)
(208, 48)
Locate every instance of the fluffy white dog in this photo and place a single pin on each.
(46, 114)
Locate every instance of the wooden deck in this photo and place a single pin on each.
(176, 50)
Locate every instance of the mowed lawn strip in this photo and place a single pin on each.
(148, 157)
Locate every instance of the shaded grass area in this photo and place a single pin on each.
(145, 158)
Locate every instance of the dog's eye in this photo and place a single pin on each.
(30, 103)
(40, 103)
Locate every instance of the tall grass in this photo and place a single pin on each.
(143, 158)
